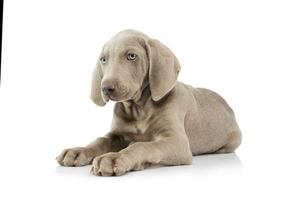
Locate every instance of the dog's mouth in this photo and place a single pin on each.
(125, 95)
(121, 97)
(114, 98)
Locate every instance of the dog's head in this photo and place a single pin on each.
(129, 62)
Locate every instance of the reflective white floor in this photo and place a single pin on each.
(204, 165)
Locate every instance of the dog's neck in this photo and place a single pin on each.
(135, 107)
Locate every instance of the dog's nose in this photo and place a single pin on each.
(109, 89)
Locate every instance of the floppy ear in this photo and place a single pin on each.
(96, 92)
(163, 70)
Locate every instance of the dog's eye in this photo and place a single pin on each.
(131, 56)
(103, 60)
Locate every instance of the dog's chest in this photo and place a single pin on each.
(135, 131)
(136, 126)
(131, 122)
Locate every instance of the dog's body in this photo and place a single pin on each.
(201, 114)
(157, 120)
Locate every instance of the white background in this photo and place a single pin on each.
(247, 51)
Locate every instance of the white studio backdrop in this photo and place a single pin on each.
(247, 51)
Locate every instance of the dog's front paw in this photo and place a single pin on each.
(111, 164)
(78, 156)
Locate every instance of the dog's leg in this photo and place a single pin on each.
(80, 156)
(233, 143)
(171, 150)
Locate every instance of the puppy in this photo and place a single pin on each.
(157, 120)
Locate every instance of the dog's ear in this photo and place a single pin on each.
(163, 69)
(96, 93)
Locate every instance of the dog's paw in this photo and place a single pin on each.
(78, 156)
(111, 164)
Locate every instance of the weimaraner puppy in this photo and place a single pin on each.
(157, 120)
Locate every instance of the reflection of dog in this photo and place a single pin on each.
(157, 120)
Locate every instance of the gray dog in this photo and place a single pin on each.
(157, 120)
